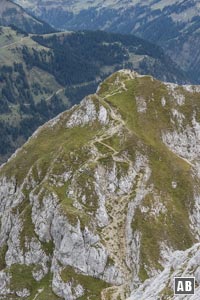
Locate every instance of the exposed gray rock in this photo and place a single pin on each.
(43, 214)
(186, 142)
(87, 113)
(4, 283)
(68, 290)
(181, 264)
(81, 250)
(14, 254)
(195, 217)
(23, 293)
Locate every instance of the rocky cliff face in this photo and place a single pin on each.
(102, 202)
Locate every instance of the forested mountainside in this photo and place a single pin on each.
(173, 24)
(42, 75)
(15, 15)
(102, 202)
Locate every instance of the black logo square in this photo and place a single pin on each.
(184, 285)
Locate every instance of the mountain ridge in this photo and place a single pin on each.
(104, 192)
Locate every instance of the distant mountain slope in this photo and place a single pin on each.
(13, 14)
(41, 76)
(28, 96)
(97, 49)
(102, 202)
(173, 24)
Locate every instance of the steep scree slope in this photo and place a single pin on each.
(103, 201)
